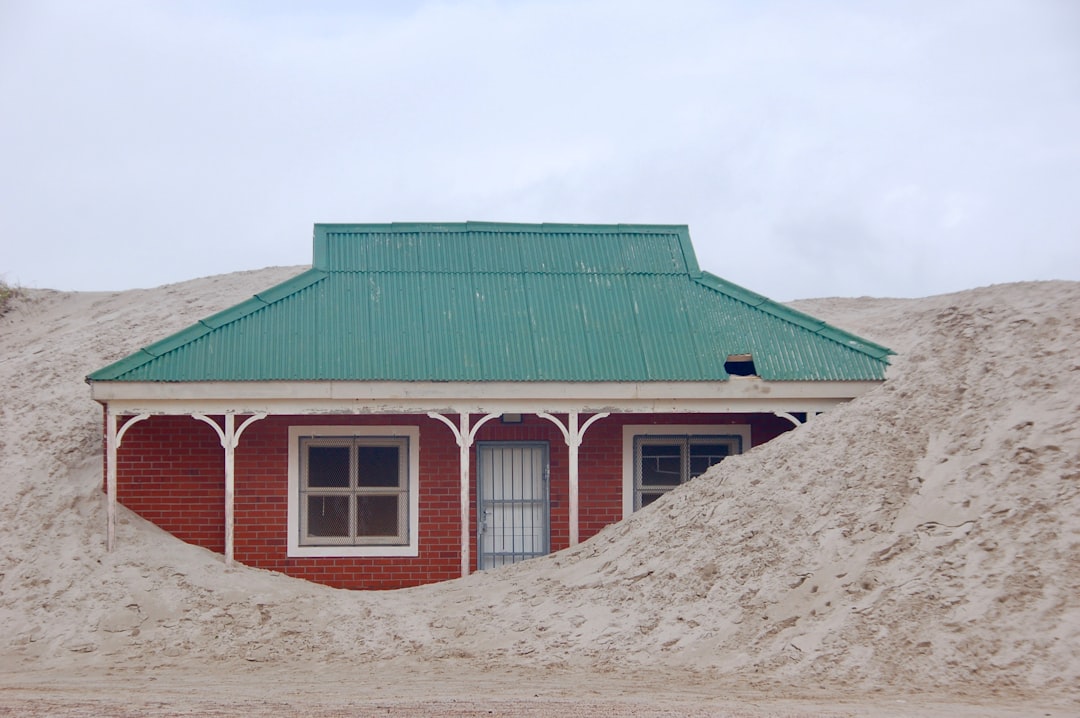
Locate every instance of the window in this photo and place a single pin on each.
(656, 459)
(353, 491)
(663, 462)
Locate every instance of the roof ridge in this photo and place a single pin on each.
(566, 272)
(495, 247)
(483, 226)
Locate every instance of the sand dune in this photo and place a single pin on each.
(920, 544)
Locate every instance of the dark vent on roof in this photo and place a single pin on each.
(740, 365)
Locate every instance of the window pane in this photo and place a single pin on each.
(328, 466)
(661, 465)
(647, 497)
(377, 516)
(378, 466)
(702, 456)
(328, 516)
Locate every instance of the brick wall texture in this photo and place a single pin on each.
(170, 470)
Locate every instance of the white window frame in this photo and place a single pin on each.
(411, 548)
(632, 431)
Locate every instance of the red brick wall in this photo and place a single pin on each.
(262, 508)
(170, 470)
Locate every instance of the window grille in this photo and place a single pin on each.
(354, 491)
(662, 462)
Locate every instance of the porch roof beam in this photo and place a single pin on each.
(592, 396)
(519, 405)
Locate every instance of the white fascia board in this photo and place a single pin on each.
(734, 396)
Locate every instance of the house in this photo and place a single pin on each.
(430, 399)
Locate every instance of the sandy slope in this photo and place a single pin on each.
(921, 543)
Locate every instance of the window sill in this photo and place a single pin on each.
(352, 551)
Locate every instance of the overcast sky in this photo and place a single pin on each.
(813, 148)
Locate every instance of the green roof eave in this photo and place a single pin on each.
(207, 325)
(796, 317)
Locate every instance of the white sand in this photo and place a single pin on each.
(915, 552)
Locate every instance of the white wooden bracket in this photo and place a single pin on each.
(573, 436)
(465, 437)
(794, 419)
(113, 436)
(230, 439)
(790, 417)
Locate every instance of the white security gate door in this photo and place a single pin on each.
(512, 502)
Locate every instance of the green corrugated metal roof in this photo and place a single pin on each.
(502, 302)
